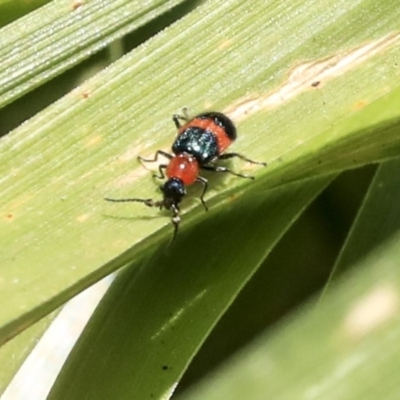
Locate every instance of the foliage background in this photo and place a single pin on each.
(314, 90)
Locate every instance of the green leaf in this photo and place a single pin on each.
(179, 297)
(313, 89)
(61, 34)
(342, 339)
(346, 347)
(379, 217)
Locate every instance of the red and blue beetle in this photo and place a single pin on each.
(201, 141)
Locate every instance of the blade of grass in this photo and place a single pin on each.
(173, 301)
(61, 34)
(58, 235)
(346, 348)
(378, 219)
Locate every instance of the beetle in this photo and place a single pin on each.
(201, 141)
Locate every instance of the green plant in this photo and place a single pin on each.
(314, 91)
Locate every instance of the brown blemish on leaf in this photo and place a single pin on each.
(77, 4)
(305, 75)
(359, 104)
(9, 217)
(84, 91)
